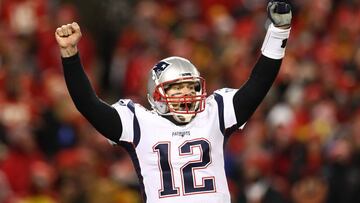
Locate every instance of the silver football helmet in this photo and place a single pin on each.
(170, 71)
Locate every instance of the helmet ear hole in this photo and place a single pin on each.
(197, 87)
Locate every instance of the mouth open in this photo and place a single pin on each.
(185, 106)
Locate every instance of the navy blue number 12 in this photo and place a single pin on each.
(187, 171)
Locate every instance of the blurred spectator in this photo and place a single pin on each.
(47, 51)
(20, 157)
(23, 17)
(343, 172)
(6, 194)
(42, 180)
(309, 190)
(258, 186)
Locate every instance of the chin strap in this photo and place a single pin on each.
(183, 118)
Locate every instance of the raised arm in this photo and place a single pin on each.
(250, 95)
(101, 115)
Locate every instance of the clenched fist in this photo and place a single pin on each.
(279, 12)
(67, 37)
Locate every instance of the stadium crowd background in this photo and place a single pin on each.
(301, 145)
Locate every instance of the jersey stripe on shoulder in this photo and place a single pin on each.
(136, 126)
(220, 102)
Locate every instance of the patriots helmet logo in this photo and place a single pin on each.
(160, 67)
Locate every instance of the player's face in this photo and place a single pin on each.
(178, 93)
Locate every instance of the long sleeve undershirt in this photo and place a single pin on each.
(101, 115)
(107, 121)
(250, 95)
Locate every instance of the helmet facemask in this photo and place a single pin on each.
(184, 97)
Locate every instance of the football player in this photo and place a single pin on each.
(177, 147)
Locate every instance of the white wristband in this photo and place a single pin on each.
(275, 42)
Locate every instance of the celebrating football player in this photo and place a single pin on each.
(177, 147)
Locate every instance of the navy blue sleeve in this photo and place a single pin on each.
(251, 94)
(101, 115)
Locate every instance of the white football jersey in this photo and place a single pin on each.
(180, 164)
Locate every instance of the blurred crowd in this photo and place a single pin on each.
(302, 145)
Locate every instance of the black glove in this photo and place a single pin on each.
(279, 13)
